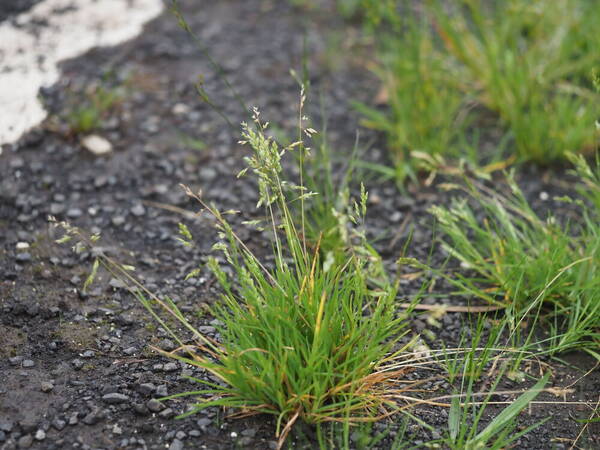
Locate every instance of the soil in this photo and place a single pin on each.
(76, 368)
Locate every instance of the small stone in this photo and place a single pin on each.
(204, 422)
(25, 441)
(167, 345)
(176, 445)
(166, 413)
(22, 245)
(27, 363)
(544, 196)
(117, 221)
(117, 429)
(170, 367)
(97, 144)
(93, 417)
(77, 364)
(74, 213)
(138, 210)
(154, 405)
(73, 420)
(115, 398)
(140, 409)
(6, 426)
(88, 354)
(46, 386)
(130, 351)
(13, 362)
(57, 208)
(40, 435)
(23, 257)
(161, 391)
(17, 163)
(59, 424)
(250, 432)
(115, 283)
(146, 388)
(180, 109)
(207, 174)
(245, 442)
(180, 435)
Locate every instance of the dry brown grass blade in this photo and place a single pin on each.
(594, 413)
(286, 429)
(184, 212)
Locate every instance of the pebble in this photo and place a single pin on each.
(97, 144)
(146, 388)
(180, 109)
(25, 441)
(117, 221)
(166, 413)
(130, 351)
(77, 364)
(88, 354)
(176, 445)
(161, 391)
(170, 367)
(28, 363)
(115, 398)
(59, 424)
(167, 345)
(93, 417)
(140, 409)
(154, 405)
(23, 257)
(22, 246)
(138, 210)
(57, 209)
(13, 362)
(40, 435)
(46, 386)
(74, 213)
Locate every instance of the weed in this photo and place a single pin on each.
(89, 115)
(538, 269)
(426, 110)
(530, 63)
(449, 68)
(298, 341)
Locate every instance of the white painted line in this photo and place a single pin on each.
(52, 31)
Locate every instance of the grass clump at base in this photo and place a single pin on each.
(298, 341)
(538, 269)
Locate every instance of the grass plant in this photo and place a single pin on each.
(450, 69)
(538, 269)
(530, 62)
(425, 111)
(89, 114)
(297, 341)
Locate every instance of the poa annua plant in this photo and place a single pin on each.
(298, 342)
(539, 270)
(530, 63)
(426, 111)
(90, 113)
(450, 67)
